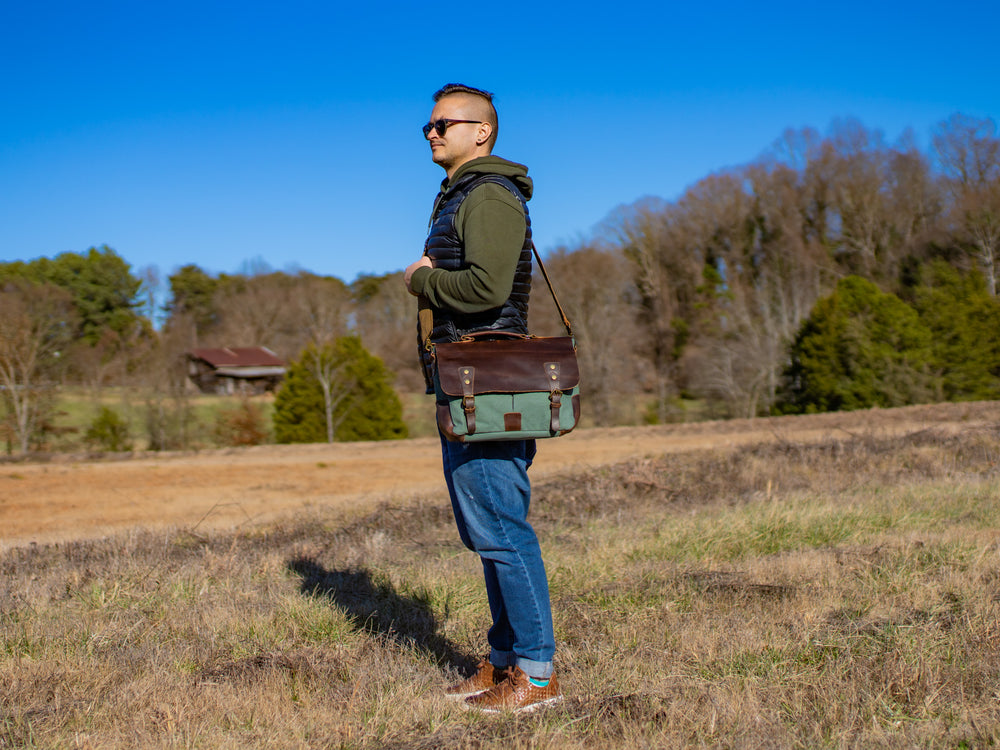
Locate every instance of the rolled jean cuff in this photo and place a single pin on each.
(540, 670)
(502, 659)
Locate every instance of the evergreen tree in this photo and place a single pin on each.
(859, 348)
(964, 319)
(192, 293)
(337, 391)
(104, 291)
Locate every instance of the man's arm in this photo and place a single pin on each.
(491, 225)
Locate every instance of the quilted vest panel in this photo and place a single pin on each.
(445, 248)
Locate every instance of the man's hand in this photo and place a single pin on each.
(424, 262)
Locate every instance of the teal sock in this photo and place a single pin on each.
(539, 683)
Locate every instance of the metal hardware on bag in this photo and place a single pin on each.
(468, 377)
(555, 395)
(553, 370)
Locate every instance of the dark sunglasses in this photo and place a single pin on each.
(442, 125)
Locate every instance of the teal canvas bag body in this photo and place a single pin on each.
(494, 385)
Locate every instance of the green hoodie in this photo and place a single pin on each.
(491, 225)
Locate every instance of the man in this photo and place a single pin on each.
(475, 275)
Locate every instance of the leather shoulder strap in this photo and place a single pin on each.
(545, 275)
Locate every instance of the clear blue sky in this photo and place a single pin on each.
(223, 133)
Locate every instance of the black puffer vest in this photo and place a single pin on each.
(445, 249)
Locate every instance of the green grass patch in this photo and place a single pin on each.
(808, 522)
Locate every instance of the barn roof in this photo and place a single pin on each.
(246, 356)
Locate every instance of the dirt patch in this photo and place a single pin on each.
(75, 498)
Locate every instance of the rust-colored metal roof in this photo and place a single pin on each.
(245, 356)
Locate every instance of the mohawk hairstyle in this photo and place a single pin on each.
(461, 88)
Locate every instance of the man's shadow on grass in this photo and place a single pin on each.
(378, 609)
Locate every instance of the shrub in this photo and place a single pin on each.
(171, 423)
(109, 432)
(243, 424)
(337, 391)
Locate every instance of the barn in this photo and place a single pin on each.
(231, 370)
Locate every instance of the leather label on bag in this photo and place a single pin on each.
(512, 421)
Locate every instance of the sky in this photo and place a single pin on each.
(242, 136)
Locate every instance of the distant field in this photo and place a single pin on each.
(826, 581)
(76, 409)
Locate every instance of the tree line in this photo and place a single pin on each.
(719, 295)
(836, 271)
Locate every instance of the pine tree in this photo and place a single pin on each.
(859, 348)
(964, 319)
(337, 392)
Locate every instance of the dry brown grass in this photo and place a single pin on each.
(65, 497)
(843, 593)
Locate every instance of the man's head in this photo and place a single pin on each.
(472, 129)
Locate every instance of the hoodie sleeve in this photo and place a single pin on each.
(491, 225)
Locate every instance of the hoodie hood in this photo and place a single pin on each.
(516, 173)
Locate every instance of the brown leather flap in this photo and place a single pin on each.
(508, 365)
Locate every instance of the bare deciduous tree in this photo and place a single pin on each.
(968, 151)
(161, 376)
(385, 319)
(667, 271)
(330, 372)
(981, 214)
(597, 292)
(914, 201)
(257, 311)
(36, 324)
(770, 269)
(860, 159)
(323, 307)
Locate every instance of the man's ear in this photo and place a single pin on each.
(484, 133)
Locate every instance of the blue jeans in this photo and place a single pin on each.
(490, 495)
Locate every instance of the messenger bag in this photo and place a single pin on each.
(495, 385)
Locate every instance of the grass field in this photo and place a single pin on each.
(836, 594)
(76, 410)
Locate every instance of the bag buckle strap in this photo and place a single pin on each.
(555, 394)
(467, 375)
